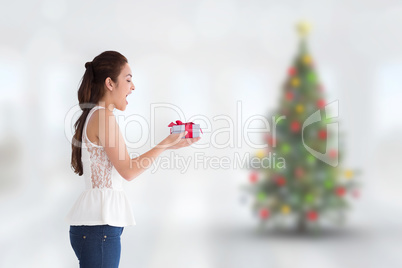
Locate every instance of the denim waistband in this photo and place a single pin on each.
(96, 229)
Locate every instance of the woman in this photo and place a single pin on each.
(100, 154)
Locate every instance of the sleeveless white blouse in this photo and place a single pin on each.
(103, 201)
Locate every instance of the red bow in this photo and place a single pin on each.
(178, 122)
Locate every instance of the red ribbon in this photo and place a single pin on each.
(188, 127)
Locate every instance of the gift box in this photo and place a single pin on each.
(193, 130)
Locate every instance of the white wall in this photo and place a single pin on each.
(202, 56)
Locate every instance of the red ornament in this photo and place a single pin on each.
(320, 88)
(253, 177)
(289, 95)
(312, 215)
(281, 181)
(271, 140)
(292, 71)
(340, 191)
(333, 153)
(299, 172)
(356, 194)
(321, 103)
(264, 213)
(322, 134)
(295, 126)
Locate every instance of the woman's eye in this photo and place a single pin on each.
(128, 81)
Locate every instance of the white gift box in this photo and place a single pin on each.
(194, 132)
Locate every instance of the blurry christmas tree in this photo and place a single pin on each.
(309, 186)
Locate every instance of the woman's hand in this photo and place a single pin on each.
(175, 141)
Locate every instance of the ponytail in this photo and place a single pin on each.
(90, 92)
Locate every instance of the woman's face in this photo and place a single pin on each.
(123, 88)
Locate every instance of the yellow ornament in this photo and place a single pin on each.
(260, 154)
(306, 59)
(303, 28)
(299, 108)
(285, 209)
(295, 82)
(349, 174)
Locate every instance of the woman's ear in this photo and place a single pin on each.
(109, 83)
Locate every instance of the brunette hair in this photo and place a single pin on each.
(90, 92)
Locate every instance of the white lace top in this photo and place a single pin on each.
(103, 201)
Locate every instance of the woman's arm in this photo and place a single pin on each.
(112, 140)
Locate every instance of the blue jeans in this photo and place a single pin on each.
(96, 246)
